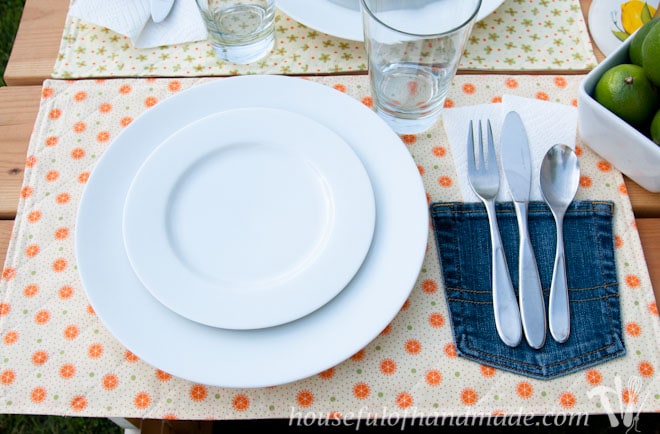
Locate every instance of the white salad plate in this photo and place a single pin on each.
(342, 18)
(273, 355)
(604, 19)
(249, 218)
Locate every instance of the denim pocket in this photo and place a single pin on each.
(463, 243)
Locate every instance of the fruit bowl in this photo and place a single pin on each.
(630, 151)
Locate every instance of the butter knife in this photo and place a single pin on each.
(160, 9)
(517, 165)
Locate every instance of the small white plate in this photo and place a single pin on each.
(249, 218)
(273, 355)
(342, 18)
(605, 19)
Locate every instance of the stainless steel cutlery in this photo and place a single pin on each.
(558, 188)
(560, 177)
(484, 178)
(517, 165)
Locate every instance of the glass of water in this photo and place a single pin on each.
(240, 31)
(414, 47)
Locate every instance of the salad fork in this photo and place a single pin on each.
(484, 179)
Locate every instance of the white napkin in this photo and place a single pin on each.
(132, 18)
(546, 123)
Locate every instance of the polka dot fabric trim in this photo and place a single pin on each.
(58, 358)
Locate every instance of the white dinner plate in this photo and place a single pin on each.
(342, 18)
(249, 218)
(274, 355)
(605, 19)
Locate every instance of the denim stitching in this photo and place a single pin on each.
(586, 300)
(604, 297)
(590, 288)
(608, 311)
(538, 367)
(460, 300)
(472, 291)
(600, 250)
(457, 249)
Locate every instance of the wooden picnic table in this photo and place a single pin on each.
(31, 62)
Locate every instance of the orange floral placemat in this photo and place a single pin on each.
(519, 35)
(58, 358)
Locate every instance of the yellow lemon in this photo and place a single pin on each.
(634, 13)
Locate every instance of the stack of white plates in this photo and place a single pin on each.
(342, 18)
(249, 220)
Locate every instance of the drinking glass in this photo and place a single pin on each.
(414, 47)
(240, 31)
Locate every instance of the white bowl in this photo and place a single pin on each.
(611, 137)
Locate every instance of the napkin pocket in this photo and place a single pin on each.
(463, 243)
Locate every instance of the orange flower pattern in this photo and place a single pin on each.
(54, 346)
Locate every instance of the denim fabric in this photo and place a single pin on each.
(463, 242)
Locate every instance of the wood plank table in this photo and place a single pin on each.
(32, 61)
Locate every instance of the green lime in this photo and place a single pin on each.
(655, 128)
(625, 90)
(635, 47)
(651, 55)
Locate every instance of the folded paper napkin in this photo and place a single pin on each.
(132, 18)
(546, 123)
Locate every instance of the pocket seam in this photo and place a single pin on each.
(539, 368)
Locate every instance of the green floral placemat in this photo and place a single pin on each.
(527, 35)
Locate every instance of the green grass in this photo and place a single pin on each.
(10, 15)
(29, 424)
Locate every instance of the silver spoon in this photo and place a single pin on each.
(560, 177)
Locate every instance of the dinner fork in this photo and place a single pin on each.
(484, 178)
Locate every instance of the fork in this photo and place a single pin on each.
(484, 178)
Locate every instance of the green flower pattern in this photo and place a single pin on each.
(527, 35)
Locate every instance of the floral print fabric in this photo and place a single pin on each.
(525, 35)
(58, 357)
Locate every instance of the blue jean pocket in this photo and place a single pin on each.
(463, 243)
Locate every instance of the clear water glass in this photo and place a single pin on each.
(414, 48)
(240, 31)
